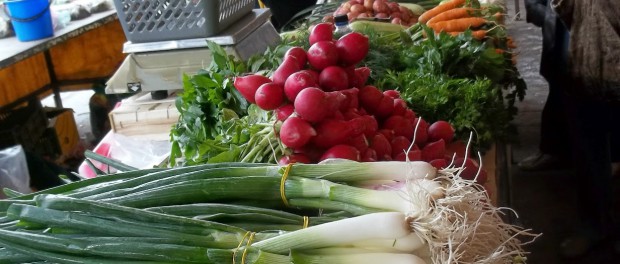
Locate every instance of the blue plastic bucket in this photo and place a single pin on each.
(31, 18)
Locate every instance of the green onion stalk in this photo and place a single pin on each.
(434, 215)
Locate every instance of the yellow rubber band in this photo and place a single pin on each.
(284, 176)
(240, 243)
(306, 222)
(245, 251)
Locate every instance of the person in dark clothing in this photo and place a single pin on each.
(283, 10)
(593, 93)
(554, 136)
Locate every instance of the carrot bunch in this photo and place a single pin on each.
(451, 17)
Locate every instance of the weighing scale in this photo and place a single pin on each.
(159, 66)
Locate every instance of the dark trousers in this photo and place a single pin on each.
(594, 130)
(554, 135)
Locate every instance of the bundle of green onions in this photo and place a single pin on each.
(258, 213)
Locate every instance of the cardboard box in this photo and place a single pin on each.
(63, 123)
(142, 116)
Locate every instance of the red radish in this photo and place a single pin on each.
(470, 168)
(337, 116)
(314, 74)
(296, 132)
(352, 101)
(441, 130)
(288, 67)
(310, 104)
(400, 107)
(409, 114)
(294, 158)
(359, 142)
(370, 97)
(382, 146)
(362, 111)
(434, 150)
(352, 48)
(458, 148)
(359, 125)
(342, 152)
(385, 107)
(351, 76)
(269, 96)
(392, 93)
(322, 55)
(439, 163)
(351, 113)
(247, 85)
(371, 125)
(387, 133)
(400, 126)
(333, 101)
(400, 144)
(297, 82)
(300, 55)
(413, 155)
(421, 135)
(369, 155)
(311, 151)
(283, 112)
(321, 32)
(331, 132)
(362, 74)
(333, 78)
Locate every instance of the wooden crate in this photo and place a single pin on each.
(140, 115)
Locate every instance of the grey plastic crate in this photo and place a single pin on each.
(159, 20)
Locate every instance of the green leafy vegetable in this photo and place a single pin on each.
(216, 123)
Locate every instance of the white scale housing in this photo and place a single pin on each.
(160, 66)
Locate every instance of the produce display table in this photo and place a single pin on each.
(82, 52)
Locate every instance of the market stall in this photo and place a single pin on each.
(378, 143)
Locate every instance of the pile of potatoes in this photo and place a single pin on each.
(383, 9)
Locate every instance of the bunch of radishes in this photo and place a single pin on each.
(384, 9)
(328, 111)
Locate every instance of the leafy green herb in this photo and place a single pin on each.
(470, 105)
(216, 123)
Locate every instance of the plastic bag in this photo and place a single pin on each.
(14, 170)
(6, 30)
(139, 153)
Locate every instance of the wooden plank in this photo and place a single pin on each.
(23, 78)
(489, 164)
(94, 54)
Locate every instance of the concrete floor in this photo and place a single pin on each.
(543, 200)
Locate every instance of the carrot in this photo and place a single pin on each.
(451, 14)
(510, 43)
(439, 9)
(477, 34)
(457, 25)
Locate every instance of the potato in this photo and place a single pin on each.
(380, 7)
(346, 7)
(396, 21)
(368, 4)
(351, 15)
(395, 15)
(381, 15)
(394, 7)
(363, 15)
(358, 8)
